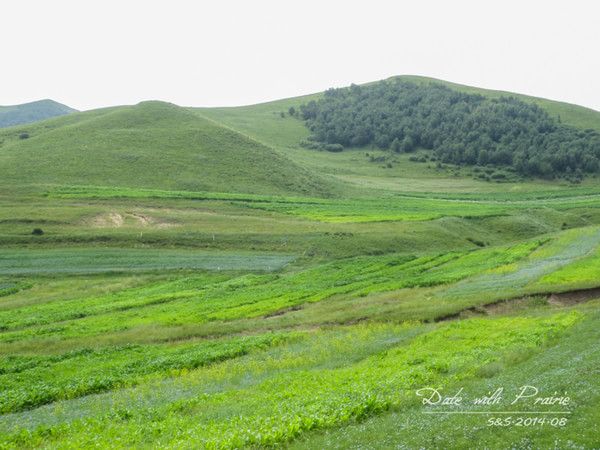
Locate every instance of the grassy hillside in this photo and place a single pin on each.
(263, 119)
(373, 171)
(461, 129)
(31, 112)
(198, 280)
(151, 145)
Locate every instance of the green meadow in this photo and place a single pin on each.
(193, 278)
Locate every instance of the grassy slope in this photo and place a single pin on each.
(31, 112)
(570, 114)
(574, 358)
(352, 167)
(149, 145)
(244, 357)
(116, 143)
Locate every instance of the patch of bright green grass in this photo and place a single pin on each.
(31, 381)
(392, 208)
(581, 274)
(269, 398)
(569, 366)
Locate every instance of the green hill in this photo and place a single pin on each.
(461, 128)
(249, 149)
(264, 122)
(32, 112)
(150, 145)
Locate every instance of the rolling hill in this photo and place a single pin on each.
(248, 149)
(262, 120)
(194, 278)
(150, 145)
(371, 172)
(32, 112)
(456, 127)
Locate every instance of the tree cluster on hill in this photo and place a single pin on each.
(461, 128)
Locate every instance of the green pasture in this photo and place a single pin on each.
(291, 389)
(271, 350)
(202, 281)
(391, 208)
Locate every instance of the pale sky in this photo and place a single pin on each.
(89, 54)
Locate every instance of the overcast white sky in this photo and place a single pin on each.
(92, 53)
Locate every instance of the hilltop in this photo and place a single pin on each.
(257, 119)
(32, 112)
(574, 115)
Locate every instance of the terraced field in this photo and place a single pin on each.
(264, 394)
(177, 357)
(392, 208)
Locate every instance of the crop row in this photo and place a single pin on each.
(31, 381)
(202, 299)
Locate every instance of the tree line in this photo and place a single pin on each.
(460, 128)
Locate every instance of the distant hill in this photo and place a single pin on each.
(32, 112)
(150, 145)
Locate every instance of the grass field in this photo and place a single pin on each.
(202, 281)
(76, 261)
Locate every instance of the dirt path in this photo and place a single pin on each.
(574, 297)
